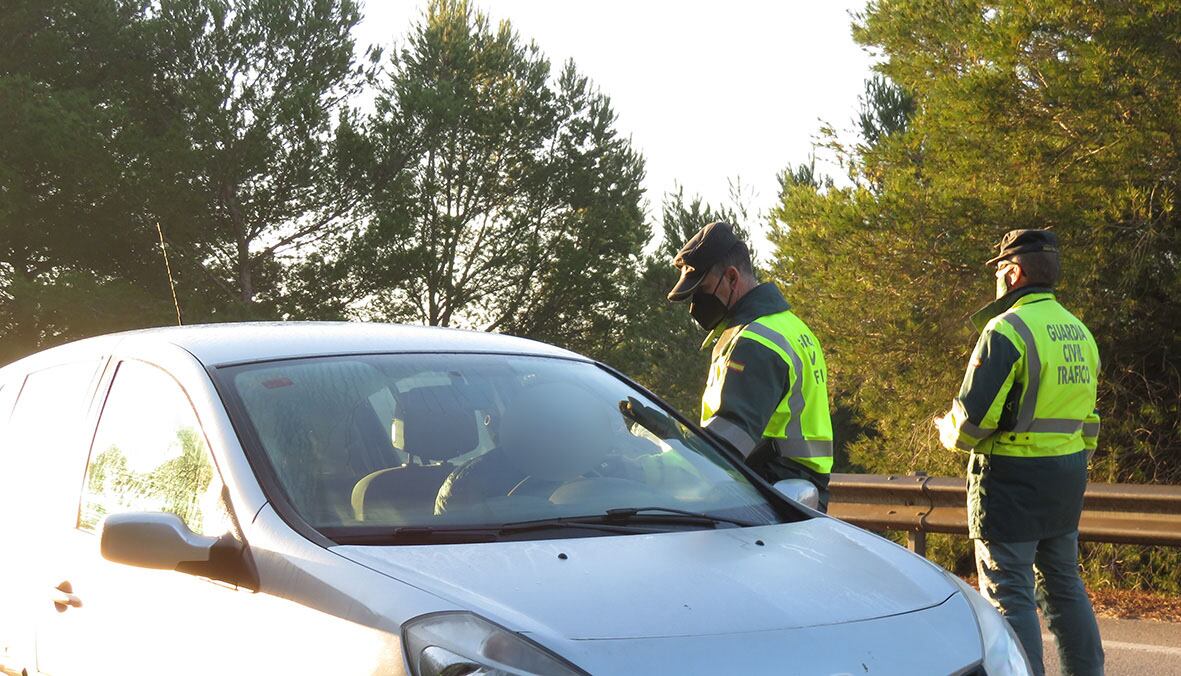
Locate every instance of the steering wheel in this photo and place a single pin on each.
(614, 466)
(533, 487)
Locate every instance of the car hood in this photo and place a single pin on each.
(734, 580)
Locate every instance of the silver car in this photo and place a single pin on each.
(313, 498)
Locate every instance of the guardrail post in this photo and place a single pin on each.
(916, 541)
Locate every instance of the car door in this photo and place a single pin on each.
(15, 639)
(40, 465)
(149, 453)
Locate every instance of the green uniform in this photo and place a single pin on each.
(767, 392)
(1026, 411)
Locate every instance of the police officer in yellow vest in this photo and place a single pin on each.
(1026, 412)
(767, 391)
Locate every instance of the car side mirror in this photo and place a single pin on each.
(799, 490)
(162, 541)
(152, 540)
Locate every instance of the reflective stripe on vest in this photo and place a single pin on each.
(1055, 426)
(974, 431)
(740, 440)
(1034, 371)
(795, 398)
(803, 448)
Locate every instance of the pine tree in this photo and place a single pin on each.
(1053, 114)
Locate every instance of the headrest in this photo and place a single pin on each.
(556, 431)
(437, 423)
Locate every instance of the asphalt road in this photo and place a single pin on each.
(1139, 647)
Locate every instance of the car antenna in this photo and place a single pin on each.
(168, 269)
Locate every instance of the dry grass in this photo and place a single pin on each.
(1128, 604)
(1136, 605)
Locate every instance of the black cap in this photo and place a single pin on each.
(1025, 241)
(700, 253)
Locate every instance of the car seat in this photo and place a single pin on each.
(438, 424)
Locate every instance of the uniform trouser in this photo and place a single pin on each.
(1014, 574)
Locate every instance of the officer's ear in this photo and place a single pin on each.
(732, 274)
(1015, 275)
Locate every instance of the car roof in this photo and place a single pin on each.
(229, 343)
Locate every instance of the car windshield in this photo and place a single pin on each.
(441, 442)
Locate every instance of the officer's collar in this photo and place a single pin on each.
(1015, 298)
(765, 299)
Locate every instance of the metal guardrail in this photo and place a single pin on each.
(1119, 513)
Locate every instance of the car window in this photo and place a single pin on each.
(460, 439)
(150, 455)
(43, 445)
(50, 407)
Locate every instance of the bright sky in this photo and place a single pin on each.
(707, 91)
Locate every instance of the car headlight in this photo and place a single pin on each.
(464, 644)
(1003, 653)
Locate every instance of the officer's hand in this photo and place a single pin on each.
(650, 419)
(948, 435)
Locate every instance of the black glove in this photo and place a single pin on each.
(655, 421)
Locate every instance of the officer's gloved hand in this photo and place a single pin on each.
(948, 432)
(653, 420)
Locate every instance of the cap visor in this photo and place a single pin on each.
(688, 283)
(1025, 248)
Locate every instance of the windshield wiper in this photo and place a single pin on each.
(664, 513)
(622, 520)
(628, 520)
(405, 535)
(467, 534)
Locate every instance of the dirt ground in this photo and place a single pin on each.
(1136, 605)
(1129, 605)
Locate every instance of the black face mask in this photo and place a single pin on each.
(707, 309)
